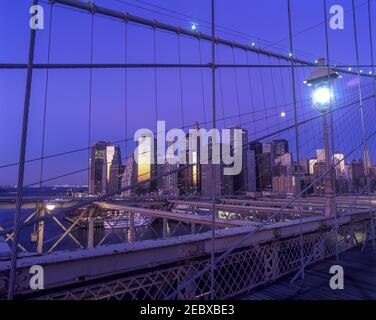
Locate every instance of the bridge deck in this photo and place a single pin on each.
(359, 280)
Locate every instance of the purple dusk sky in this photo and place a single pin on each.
(260, 95)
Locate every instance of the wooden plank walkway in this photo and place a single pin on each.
(359, 280)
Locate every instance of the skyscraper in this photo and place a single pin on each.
(146, 166)
(189, 180)
(102, 156)
(279, 147)
(339, 164)
(256, 147)
(358, 176)
(129, 176)
(241, 181)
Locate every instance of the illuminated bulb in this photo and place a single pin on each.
(50, 206)
(322, 95)
(283, 114)
(194, 26)
(253, 44)
(361, 71)
(350, 69)
(290, 54)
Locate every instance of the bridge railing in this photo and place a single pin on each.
(272, 252)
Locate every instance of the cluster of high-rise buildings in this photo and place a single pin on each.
(267, 168)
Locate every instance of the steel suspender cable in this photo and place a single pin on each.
(126, 88)
(296, 135)
(213, 173)
(236, 87)
(45, 98)
(180, 82)
(332, 172)
(90, 90)
(21, 168)
(262, 89)
(365, 145)
(155, 79)
(221, 88)
(374, 92)
(202, 80)
(371, 46)
(251, 101)
(44, 117)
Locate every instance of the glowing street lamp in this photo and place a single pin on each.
(50, 206)
(321, 80)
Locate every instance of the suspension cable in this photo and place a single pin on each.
(21, 169)
(236, 87)
(126, 88)
(221, 87)
(202, 80)
(90, 91)
(331, 102)
(180, 82)
(45, 98)
(365, 145)
(155, 78)
(296, 135)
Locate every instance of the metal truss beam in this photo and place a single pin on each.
(176, 216)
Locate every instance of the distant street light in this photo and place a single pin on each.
(50, 206)
(193, 26)
(322, 95)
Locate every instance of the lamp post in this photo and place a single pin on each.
(322, 94)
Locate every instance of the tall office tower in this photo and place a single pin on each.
(270, 151)
(251, 169)
(189, 179)
(312, 163)
(257, 148)
(367, 162)
(147, 168)
(320, 155)
(101, 156)
(284, 182)
(267, 148)
(116, 172)
(283, 165)
(357, 174)
(169, 184)
(279, 147)
(304, 165)
(339, 163)
(241, 181)
(129, 176)
(285, 185)
(265, 166)
(210, 174)
(319, 169)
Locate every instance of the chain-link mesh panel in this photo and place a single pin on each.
(236, 274)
